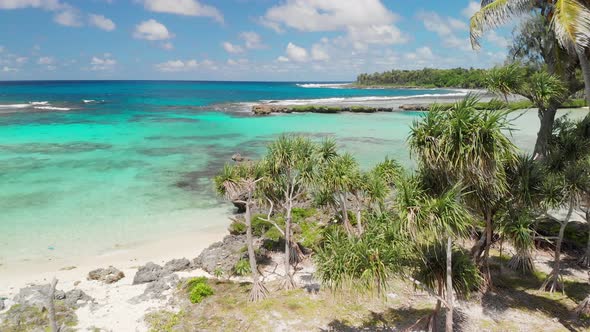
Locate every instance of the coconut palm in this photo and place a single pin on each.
(463, 145)
(292, 164)
(238, 183)
(569, 20)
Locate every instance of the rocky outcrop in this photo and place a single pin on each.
(156, 289)
(148, 273)
(237, 157)
(36, 296)
(415, 107)
(108, 276)
(223, 255)
(175, 265)
(267, 109)
(2, 305)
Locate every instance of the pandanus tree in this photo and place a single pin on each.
(292, 163)
(431, 219)
(505, 80)
(239, 183)
(564, 188)
(568, 19)
(526, 192)
(463, 145)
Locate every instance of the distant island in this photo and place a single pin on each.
(471, 78)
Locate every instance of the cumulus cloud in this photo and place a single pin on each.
(318, 53)
(183, 7)
(185, 65)
(494, 38)
(69, 18)
(282, 59)
(7, 69)
(447, 29)
(45, 60)
(233, 62)
(232, 48)
(102, 64)
(421, 54)
(152, 30)
(168, 46)
(21, 60)
(296, 53)
(251, 39)
(41, 4)
(101, 22)
(366, 22)
(471, 9)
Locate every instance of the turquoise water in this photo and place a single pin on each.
(136, 161)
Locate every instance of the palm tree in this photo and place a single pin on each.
(292, 162)
(569, 20)
(426, 217)
(238, 183)
(340, 177)
(568, 180)
(463, 145)
(505, 80)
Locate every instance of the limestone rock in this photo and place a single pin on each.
(176, 265)
(223, 255)
(108, 275)
(148, 273)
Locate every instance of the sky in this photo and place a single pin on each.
(255, 40)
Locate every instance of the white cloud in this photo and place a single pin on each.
(101, 22)
(447, 29)
(183, 7)
(233, 62)
(318, 53)
(366, 22)
(45, 60)
(471, 9)
(102, 64)
(176, 65)
(7, 69)
(282, 59)
(168, 46)
(69, 18)
(296, 53)
(42, 4)
(494, 38)
(232, 48)
(420, 56)
(21, 60)
(251, 39)
(152, 30)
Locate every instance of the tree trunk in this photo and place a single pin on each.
(258, 291)
(585, 65)
(486, 256)
(288, 282)
(552, 283)
(449, 319)
(345, 219)
(585, 260)
(547, 118)
(359, 225)
(51, 306)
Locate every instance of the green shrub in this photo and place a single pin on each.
(259, 226)
(198, 289)
(237, 228)
(242, 267)
(311, 234)
(300, 214)
(273, 234)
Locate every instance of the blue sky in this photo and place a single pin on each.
(314, 40)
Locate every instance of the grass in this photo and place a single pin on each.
(21, 318)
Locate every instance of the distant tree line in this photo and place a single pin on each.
(436, 78)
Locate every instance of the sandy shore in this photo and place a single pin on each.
(113, 308)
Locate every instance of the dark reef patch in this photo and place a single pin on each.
(54, 148)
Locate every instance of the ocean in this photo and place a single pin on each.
(92, 166)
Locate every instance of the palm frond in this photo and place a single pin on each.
(571, 23)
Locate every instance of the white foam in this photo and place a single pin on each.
(15, 106)
(360, 99)
(87, 101)
(51, 108)
(323, 85)
(39, 102)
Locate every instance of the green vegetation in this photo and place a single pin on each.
(242, 268)
(427, 78)
(198, 289)
(22, 318)
(164, 321)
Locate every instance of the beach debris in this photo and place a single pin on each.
(222, 255)
(108, 276)
(148, 273)
(180, 264)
